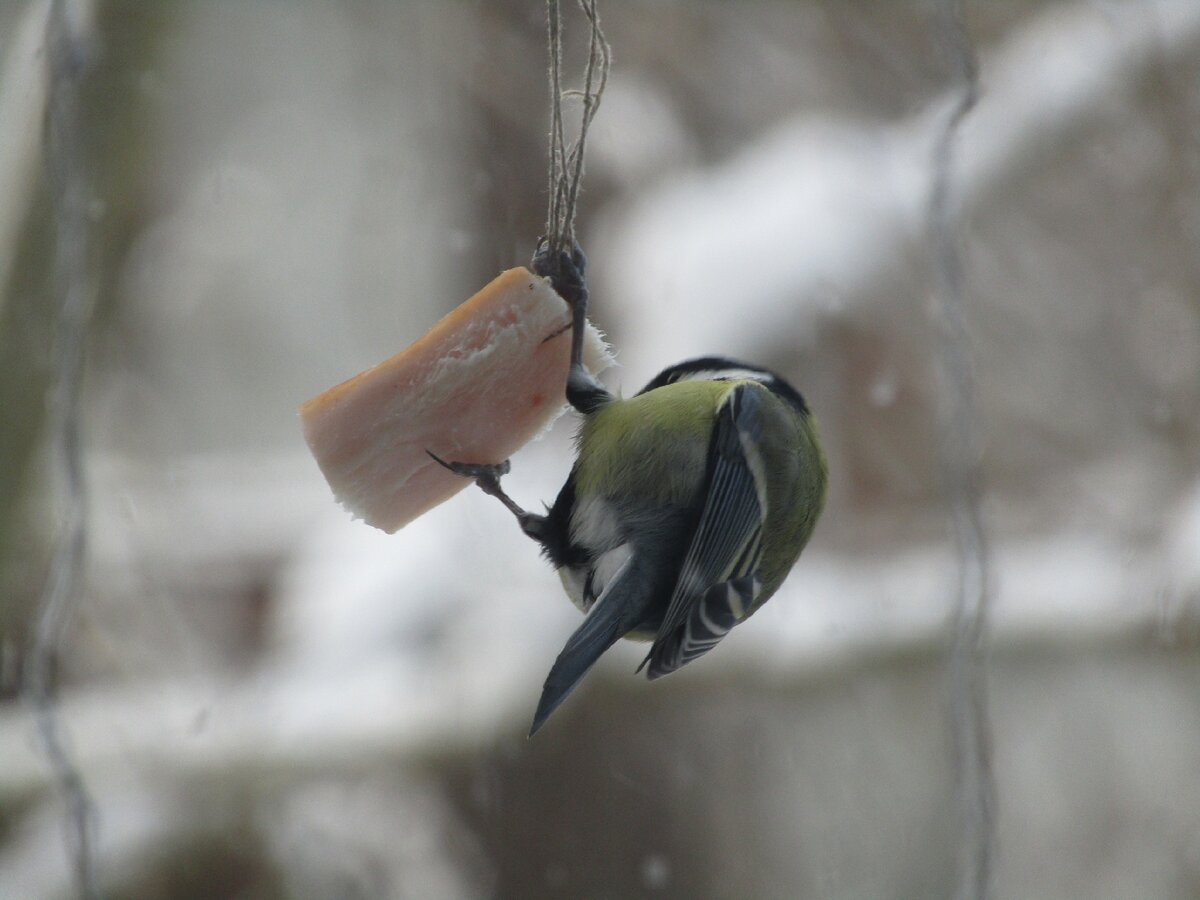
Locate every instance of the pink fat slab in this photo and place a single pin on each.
(482, 383)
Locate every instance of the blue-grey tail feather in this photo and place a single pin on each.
(603, 627)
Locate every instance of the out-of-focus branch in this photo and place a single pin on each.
(68, 170)
(24, 87)
(960, 457)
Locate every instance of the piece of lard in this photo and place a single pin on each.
(484, 381)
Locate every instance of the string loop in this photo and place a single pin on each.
(566, 162)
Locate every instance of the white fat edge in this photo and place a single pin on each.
(598, 356)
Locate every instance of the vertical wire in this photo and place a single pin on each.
(960, 452)
(67, 172)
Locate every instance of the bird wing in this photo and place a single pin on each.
(718, 582)
(615, 612)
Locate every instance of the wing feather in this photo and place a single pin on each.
(613, 614)
(717, 582)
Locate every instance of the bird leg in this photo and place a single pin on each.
(565, 271)
(487, 478)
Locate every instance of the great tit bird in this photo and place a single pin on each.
(685, 510)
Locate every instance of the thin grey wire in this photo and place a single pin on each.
(566, 164)
(68, 176)
(960, 452)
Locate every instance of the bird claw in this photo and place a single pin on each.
(565, 270)
(486, 475)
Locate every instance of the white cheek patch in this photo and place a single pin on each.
(573, 581)
(608, 567)
(595, 528)
(585, 586)
(594, 525)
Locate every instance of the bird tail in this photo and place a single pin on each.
(607, 622)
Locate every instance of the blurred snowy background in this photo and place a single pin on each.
(270, 700)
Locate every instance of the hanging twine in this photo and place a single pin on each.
(566, 163)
